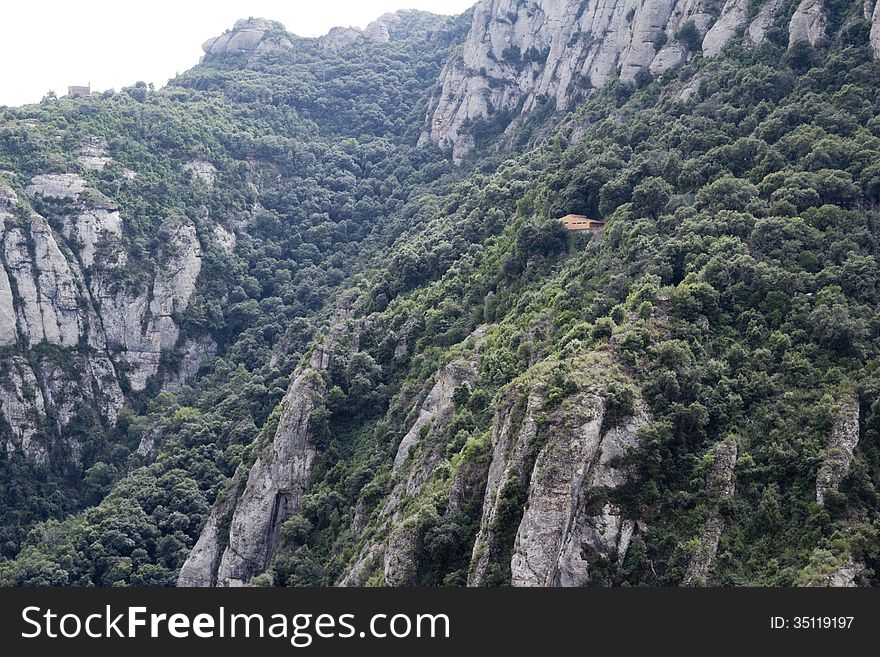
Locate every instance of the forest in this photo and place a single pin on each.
(732, 295)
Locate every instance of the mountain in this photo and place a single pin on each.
(307, 316)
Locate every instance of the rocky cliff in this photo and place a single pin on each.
(872, 12)
(395, 551)
(840, 449)
(520, 53)
(382, 30)
(719, 487)
(250, 36)
(239, 539)
(569, 526)
(77, 332)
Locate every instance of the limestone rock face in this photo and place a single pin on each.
(56, 185)
(204, 171)
(839, 452)
(93, 154)
(142, 325)
(733, 17)
(875, 31)
(762, 22)
(436, 407)
(46, 285)
(264, 498)
(382, 30)
(517, 52)
(95, 225)
(22, 409)
(396, 556)
(62, 288)
(808, 22)
(200, 568)
(511, 437)
(339, 38)
(251, 36)
(560, 532)
(274, 487)
(194, 354)
(719, 485)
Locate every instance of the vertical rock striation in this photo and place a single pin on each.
(569, 524)
(841, 446)
(719, 486)
(244, 528)
(808, 22)
(519, 53)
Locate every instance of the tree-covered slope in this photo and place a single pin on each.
(688, 396)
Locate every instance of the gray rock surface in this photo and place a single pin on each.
(808, 22)
(202, 170)
(517, 52)
(22, 408)
(56, 185)
(140, 323)
(250, 36)
(561, 533)
(272, 489)
(394, 552)
(875, 31)
(763, 20)
(719, 485)
(513, 429)
(839, 451)
(437, 407)
(200, 568)
(63, 288)
(93, 154)
(734, 16)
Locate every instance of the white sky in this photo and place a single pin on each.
(50, 44)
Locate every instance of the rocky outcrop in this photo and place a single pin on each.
(517, 52)
(559, 473)
(763, 21)
(141, 324)
(514, 428)
(250, 36)
(437, 407)
(99, 224)
(56, 185)
(254, 511)
(401, 555)
(382, 30)
(93, 154)
(875, 30)
(841, 576)
(567, 526)
(62, 287)
(274, 487)
(200, 568)
(193, 355)
(839, 451)
(339, 38)
(734, 16)
(395, 552)
(202, 170)
(808, 22)
(719, 485)
(22, 409)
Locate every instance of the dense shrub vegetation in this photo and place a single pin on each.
(736, 283)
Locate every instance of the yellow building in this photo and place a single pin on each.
(580, 222)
